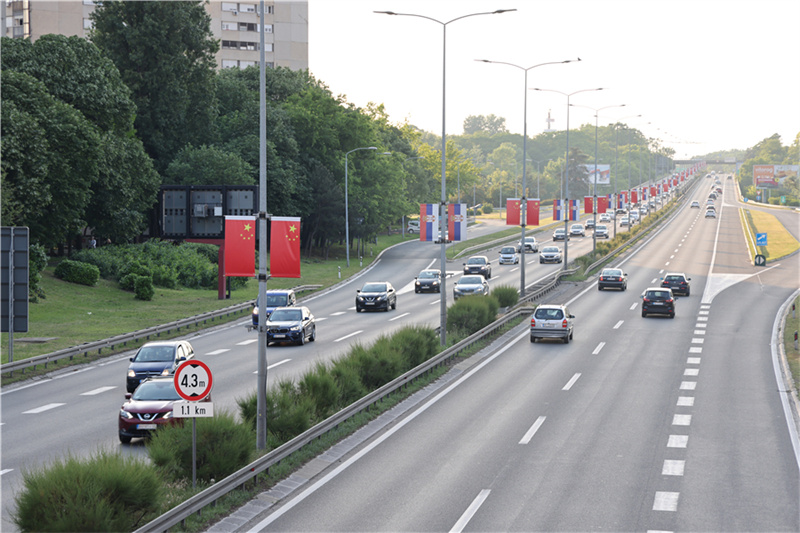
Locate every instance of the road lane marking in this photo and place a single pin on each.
(348, 336)
(692, 360)
(337, 313)
(400, 316)
(666, 501)
(320, 319)
(43, 408)
(618, 324)
(571, 382)
(703, 318)
(691, 372)
(688, 385)
(678, 441)
(702, 312)
(699, 332)
(470, 512)
(699, 325)
(599, 347)
(673, 467)
(217, 352)
(685, 401)
(6, 471)
(666, 264)
(681, 420)
(695, 349)
(273, 365)
(435, 302)
(698, 341)
(534, 428)
(97, 391)
(634, 306)
(245, 343)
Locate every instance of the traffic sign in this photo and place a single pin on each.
(761, 260)
(761, 239)
(192, 410)
(193, 380)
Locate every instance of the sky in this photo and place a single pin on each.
(704, 75)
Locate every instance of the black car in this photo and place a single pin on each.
(612, 278)
(678, 282)
(658, 300)
(159, 358)
(291, 324)
(478, 264)
(428, 281)
(376, 295)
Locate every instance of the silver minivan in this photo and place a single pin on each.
(552, 322)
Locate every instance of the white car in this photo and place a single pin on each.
(413, 226)
(530, 245)
(604, 217)
(624, 221)
(508, 256)
(577, 229)
(601, 231)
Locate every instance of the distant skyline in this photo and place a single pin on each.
(706, 75)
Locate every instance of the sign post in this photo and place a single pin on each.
(193, 381)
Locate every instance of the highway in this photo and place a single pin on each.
(610, 409)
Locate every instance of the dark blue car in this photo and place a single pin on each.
(159, 358)
(275, 298)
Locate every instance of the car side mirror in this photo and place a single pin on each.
(358, 291)
(132, 358)
(572, 316)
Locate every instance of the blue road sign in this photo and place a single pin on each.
(761, 239)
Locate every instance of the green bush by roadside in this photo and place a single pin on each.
(77, 272)
(470, 314)
(107, 492)
(506, 296)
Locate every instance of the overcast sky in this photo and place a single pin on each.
(704, 75)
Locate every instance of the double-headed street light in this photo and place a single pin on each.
(443, 203)
(523, 200)
(566, 199)
(594, 188)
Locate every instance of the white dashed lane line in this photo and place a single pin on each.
(43, 408)
(618, 324)
(571, 382)
(217, 352)
(348, 336)
(599, 347)
(673, 467)
(97, 391)
(666, 501)
(246, 342)
(532, 431)
(678, 441)
(6, 471)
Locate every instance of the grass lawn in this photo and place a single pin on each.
(780, 242)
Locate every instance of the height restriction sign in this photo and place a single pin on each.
(193, 380)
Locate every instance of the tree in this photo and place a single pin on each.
(489, 124)
(165, 54)
(208, 165)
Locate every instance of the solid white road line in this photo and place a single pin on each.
(532, 431)
(97, 391)
(470, 512)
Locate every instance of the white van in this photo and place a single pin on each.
(413, 226)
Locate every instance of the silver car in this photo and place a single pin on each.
(508, 255)
(471, 284)
(550, 254)
(552, 322)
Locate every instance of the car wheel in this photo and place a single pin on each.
(416, 290)
(438, 290)
(124, 439)
(358, 309)
(541, 262)
(302, 340)
(625, 287)
(570, 334)
(688, 292)
(644, 314)
(313, 336)
(672, 315)
(599, 288)
(566, 339)
(533, 339)
(394, 304)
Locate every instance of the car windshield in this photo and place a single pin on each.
(276, 300)
(154, 354)
(508, 250)
(476, 261)
(577, 226)
(374, 287)
(559, 231)
(471, 280)
(601, 228)
(429, 274)
(530, 239)
(549, 314)
(286, 315)
(156, 390)
(550, 249)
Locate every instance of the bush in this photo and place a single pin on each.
(37, 261)
(223, 447)
(487, 209)
(107, 492)
(320, 386)
(506, 296)
(471, 313)
(77, 272)
(143, 288)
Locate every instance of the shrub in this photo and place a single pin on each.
(348, 380)
(77, 272)
(38, 262)
(487, 209)
(223, 447)
(107, 492)
(165, 276)
(506, 296)
(471, 313)
(380, 364)
(143, 288)
(320, 386)
(417, 344)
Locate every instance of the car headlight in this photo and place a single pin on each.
(165, 372)
(360, 298)
(167, 415)
(435, 283)
(131, 373)
(294, 328)
(125, 414)
(417, 284)
(381, 297)
(255, 311)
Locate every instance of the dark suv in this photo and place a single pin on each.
(158, 358)
(658, 300)
(275, 298)
(678, 282)
(478, 264)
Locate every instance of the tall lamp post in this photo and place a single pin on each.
(443, 203)
(566, 179)
(594, 188)
(346, 214)
(523, 201)
(616, 164)
(538, 174)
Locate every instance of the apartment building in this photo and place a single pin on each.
(235, 24)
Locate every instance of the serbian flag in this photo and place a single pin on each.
(457, 222)
(512, 212)
(428, 222)
(574, 212)
(239, 253)
(602, 204)
(284, 253)
(588, 204)
(532, 212)
(623, 199)
(558, 210)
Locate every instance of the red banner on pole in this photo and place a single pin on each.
(512, 212)
(284, 253)
(239, 257)
(532, 214)
(588, 204)
(602, 204)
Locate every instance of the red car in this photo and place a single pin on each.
(148, 408)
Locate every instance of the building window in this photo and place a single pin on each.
(248, 26)
(243, 45)
(229, 63)
(230, 6)
(88, 24)
(89, 2)
(229, 26)
(247, 8)
(268, 28)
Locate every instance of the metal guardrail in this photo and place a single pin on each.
(209, 496)
(111, 342)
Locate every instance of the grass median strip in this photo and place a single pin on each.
(780, 243)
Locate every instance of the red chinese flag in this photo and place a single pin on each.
(512, 212)
(634, 196)
(239, 256)
(602, 204)
(532, 213)
(284, 253)
(588, 204)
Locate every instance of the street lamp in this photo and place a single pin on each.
(443, 204)
(566, 199)
(616, 164)
(346, 215)
(538, 174)
(523, 199)
(406, 160)
(594, 188)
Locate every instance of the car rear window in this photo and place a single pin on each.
(549, 314)
(657, 294)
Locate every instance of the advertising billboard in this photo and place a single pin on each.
(773, 176)
(603, 174)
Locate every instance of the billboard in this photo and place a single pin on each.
(603, 174)
(773, 176)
